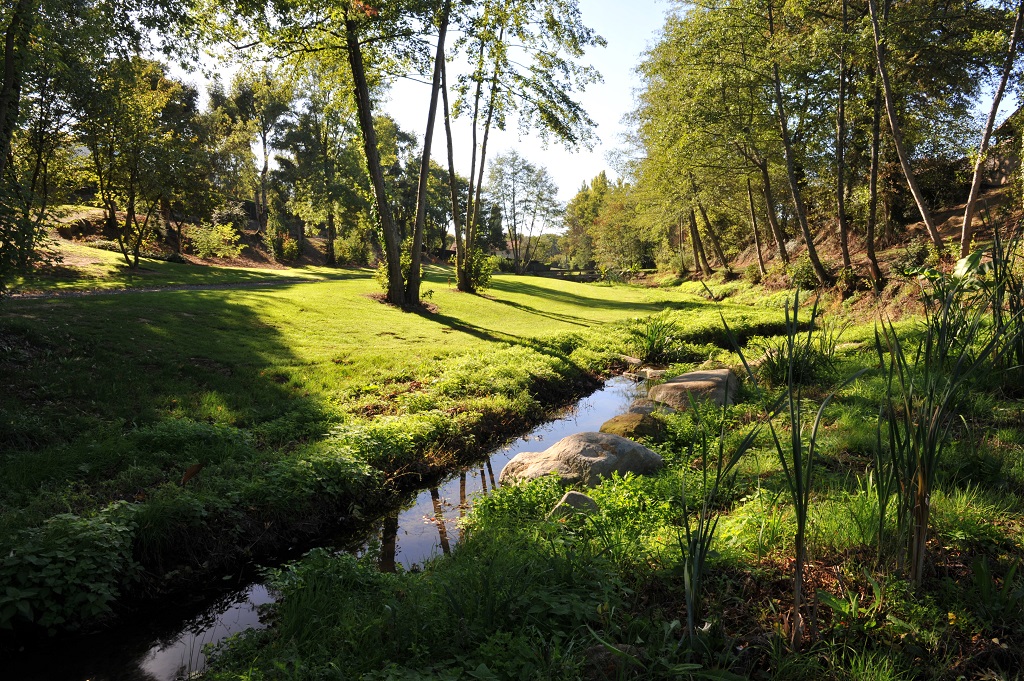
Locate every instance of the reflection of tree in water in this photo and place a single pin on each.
(388, 543)
(442, 529)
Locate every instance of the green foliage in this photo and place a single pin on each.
(802, 275)
(215, 240)
(923, 389)
(68, 572)
(813, 358)
(652, 338)
(289, 250)
(752, 274)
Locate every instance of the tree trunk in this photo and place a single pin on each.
(753, 227)
(412, 288)
(681, 240)
(794, 187)
(897, 132)
(392, 242)
(15, 45)
(699, 258)
(968, 227)
(332, 234)
(716, 246)
(843, 220)
(876, 130)
(773, 219)
(460, 248)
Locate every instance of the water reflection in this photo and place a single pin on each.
(429, 525)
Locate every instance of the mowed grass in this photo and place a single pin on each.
(83, 268)
(300, 402)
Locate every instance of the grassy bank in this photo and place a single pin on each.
(152, 438)
(605, 596)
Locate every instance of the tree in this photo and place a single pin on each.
(580, 214)
(523, 61)
(129, 111)
(526, 195)
(261, 100)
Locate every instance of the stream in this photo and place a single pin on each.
(168, 645)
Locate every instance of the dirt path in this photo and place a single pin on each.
(267, 283)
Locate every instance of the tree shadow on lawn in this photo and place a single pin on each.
(109, 367)
(522, 287)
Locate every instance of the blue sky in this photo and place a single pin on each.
(630, 28)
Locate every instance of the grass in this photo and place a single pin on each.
(210, 423)
(83, 268)
(864, 618)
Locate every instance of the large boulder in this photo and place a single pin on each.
(583, 459)
(632, 426)
(712, 385)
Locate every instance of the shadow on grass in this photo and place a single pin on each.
(522, 287)
(92, 371)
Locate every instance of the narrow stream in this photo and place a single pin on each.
(167, 646)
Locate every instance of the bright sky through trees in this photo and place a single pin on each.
(629, 28)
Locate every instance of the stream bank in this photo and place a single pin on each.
(159, 646)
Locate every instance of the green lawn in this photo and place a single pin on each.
(300, 401)
(84, 268)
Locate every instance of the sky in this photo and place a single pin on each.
(629, 32)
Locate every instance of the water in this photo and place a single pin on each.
(427, 526)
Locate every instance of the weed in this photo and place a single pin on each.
(651, 338)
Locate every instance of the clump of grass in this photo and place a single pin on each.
(652, 338)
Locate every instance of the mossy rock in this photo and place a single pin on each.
(632, 426)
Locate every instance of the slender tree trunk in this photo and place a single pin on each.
(876, 139)
(412, 288)
(844, 227)
(794, 186)
(392, 242)
(462, 282)
(897, 131)
(753, 227)
(483, 152)
(1011, 52)
(261, 203)
(15, 44)
(716, 246)
(681, 240)
(466, 279)
(699, 258)
(773, 219)
(332, 234)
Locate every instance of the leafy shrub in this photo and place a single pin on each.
(651, 338)
(352, 249)
(289, 249)
(215, 240)
(67, 571)
(801, 273)
(910, 259)
(752, 274)
(812, 360)
(776, 276)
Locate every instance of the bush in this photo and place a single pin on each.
(215, 240)
(651, 337)
(910, 259)
(352, 249)
(66, 572)
(752, 274)
(289, 249)
(801, 273)
(232, 215)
